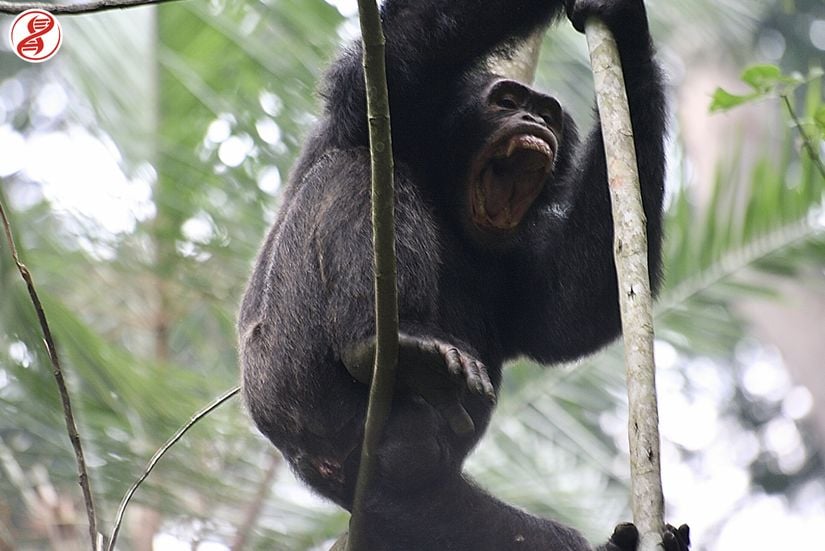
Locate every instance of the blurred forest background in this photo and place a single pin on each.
(143, 165)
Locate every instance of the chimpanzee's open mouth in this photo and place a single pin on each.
(508, 176)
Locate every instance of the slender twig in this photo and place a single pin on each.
(57, 371)
(635, 296)
(213, 405)
(75, 9)
(806, 139)
(383, 232)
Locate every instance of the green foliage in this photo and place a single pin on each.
(768, 226)
(144, 319)
(765, 81)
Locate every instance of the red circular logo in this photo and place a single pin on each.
(35, 35)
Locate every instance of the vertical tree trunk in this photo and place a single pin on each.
(635, 296)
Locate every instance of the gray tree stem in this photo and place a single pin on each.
(635, 297)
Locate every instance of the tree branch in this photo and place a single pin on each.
(75, 9)
(57, 371)
(807, 142)
(635, 297)
(209, 408)
(383, 226)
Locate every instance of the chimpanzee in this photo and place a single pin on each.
(504, 246)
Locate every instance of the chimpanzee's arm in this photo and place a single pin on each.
(578, 309)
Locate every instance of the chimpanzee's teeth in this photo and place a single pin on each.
(511, 146)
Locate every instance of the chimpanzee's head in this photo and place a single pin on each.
(503, 147)
(510, 168)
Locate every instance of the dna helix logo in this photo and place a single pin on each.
(35, 35)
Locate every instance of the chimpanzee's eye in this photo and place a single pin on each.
(507, 102)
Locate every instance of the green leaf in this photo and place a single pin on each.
(762, 77)
(724, 100)
(819, 118)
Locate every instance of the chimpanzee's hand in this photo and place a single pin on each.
(617, 14)
(441, 373)
(676, 539)
(435, 370)
(626, 538)
(465, 369)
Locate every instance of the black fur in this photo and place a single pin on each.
(471, 296)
